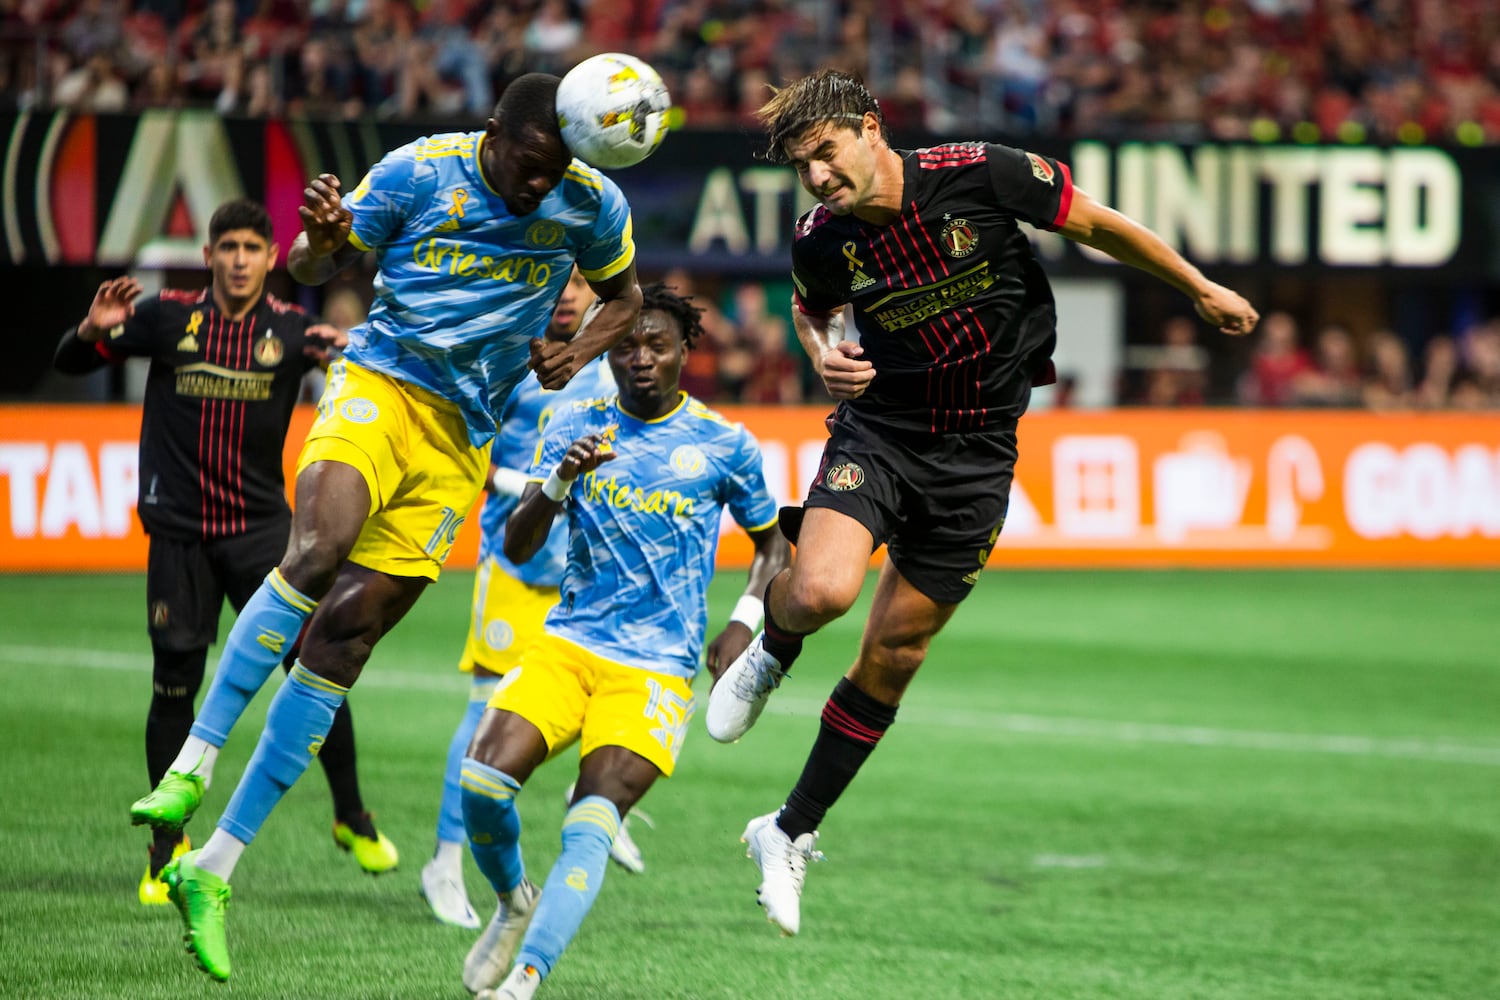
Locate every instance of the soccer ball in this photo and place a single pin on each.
(613, 110)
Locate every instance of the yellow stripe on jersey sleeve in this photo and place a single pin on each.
(620, 263)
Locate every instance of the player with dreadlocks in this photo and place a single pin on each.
(642, 477)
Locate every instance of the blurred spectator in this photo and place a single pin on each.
(1175, 373)
(775, 374)
(552, 37)
(94, 86)
(1277, 364)
(1440, 370)
(1335, 379)
(1388, 384)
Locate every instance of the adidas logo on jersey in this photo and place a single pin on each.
(447, 226)
(861, 280)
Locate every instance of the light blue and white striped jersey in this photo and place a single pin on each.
(522, 420)
(463, 284)
(643, 529)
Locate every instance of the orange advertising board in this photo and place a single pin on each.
(1093, 488)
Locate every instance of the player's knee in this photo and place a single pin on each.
(812, 603)
(311, 563)
(176, 676)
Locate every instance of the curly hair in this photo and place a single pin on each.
(241, 213)
(660, 297)
(829, 95)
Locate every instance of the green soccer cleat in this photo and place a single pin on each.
(171, 803)
(201, 897)
(371, 848)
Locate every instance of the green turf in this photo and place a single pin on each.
(1103, 785)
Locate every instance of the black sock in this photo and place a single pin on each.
(176, 676)
(781, 643)
(338, 759)
(853, 723)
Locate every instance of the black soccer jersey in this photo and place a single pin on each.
(218, 401)
(952, 308)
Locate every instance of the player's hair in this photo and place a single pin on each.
(241, 213)
(529, 103)
(829, 95)
(659, 296)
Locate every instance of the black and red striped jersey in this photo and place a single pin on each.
(951, 305)
(218, 401)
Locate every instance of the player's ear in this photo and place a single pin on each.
(273, 254)
(208, 254)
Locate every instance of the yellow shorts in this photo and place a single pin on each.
(506, 617)
(569, 693)
(412, 447)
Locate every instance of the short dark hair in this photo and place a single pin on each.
(529, 103)
(829, 95)
(242, 213)
(660, 297)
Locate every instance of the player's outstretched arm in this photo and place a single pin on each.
(322, 249)
(113, 304)
(527, 527)
(557, 361)
(1129, 242)
(772, 554)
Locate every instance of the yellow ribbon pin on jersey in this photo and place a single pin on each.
(854, 262)
(459, 196)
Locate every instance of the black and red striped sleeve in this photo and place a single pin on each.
(1034, 188)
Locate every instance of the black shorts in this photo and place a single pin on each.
(936, 501)
(187, 581)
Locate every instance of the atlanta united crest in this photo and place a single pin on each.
(960, 238)
(268, 351)
(844, 477)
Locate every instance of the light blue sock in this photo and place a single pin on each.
(450, 826)
(267, 626)
(573, 884)
(493, 825)
(298, 720)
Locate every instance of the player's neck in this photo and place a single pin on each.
(884, 204)
(233, 309)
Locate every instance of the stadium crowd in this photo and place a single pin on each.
(1332, 70)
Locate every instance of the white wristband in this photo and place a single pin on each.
(556, 487)
(748, 612)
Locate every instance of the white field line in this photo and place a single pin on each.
(972, 723)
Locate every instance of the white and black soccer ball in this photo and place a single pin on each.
(613, 110)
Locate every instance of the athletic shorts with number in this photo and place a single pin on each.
(412, 448)
(188, 580)
(505, 618)
(570, 693)
(936, 501)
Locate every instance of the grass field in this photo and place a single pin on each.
(1109, 785)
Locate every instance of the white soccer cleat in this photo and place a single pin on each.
(497, 946)
(624, 851)
(737, 700)
(783, 867)
(521, 984)
(444, 891)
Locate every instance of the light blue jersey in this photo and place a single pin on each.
(526, 413)
(463, 284)
(643, 529)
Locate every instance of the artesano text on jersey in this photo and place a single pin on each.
(952, 308)
(463, 284)
(644, 528)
